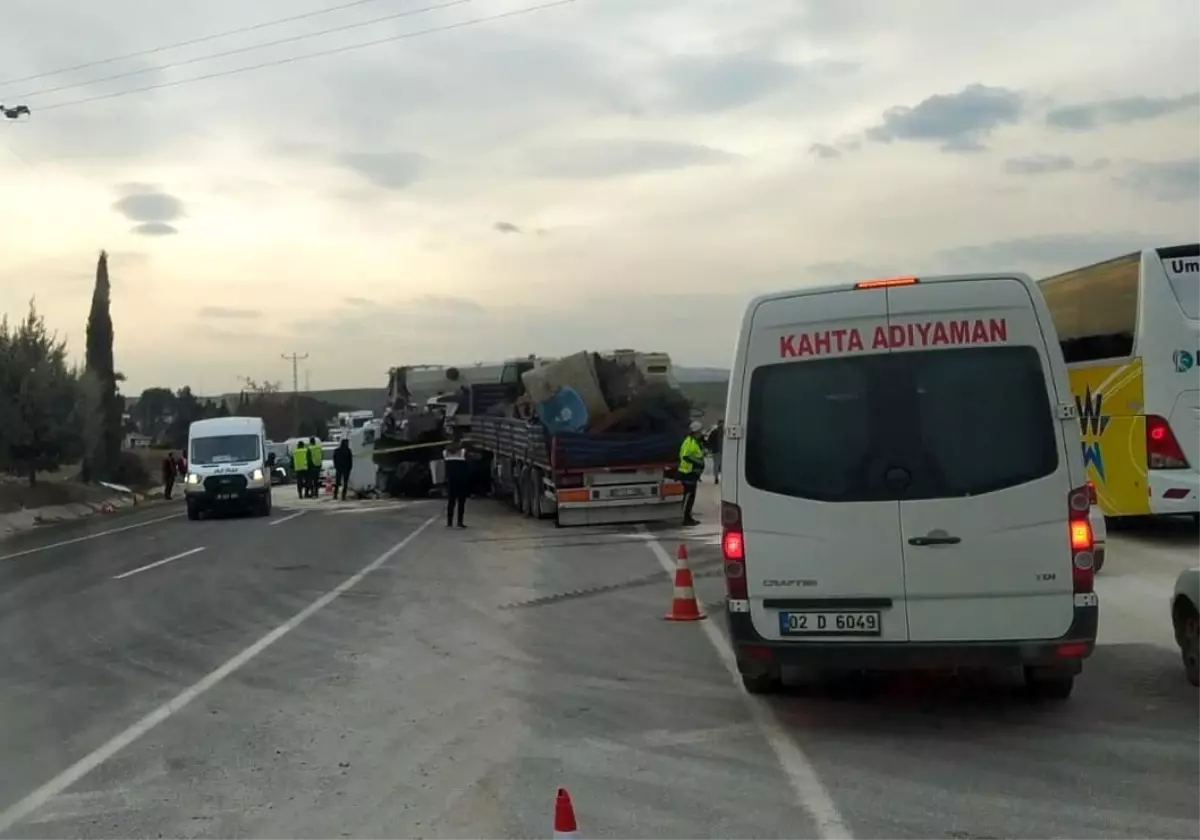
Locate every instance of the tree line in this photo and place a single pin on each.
(164, 415)
(54, 412)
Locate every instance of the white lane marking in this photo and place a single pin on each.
(87, 537)
(157, 563)
(31, 802)
(801, 775)
(283, 519)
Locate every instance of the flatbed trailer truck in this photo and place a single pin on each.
(579, 478)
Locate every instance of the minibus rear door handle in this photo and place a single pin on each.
(935, 540)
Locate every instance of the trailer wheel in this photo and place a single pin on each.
(516, 487)
(539, 494)
(532, 501)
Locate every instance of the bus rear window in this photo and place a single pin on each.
(917, 425)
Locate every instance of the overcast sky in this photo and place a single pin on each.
(603, 173)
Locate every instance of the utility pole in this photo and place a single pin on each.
(295, 359)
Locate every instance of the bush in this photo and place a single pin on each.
(131, 471)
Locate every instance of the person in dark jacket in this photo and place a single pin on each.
(458, 479)
(343, 461)
(168, 474)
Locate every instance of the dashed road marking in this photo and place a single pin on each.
(87, 537)
(30, 803)
(283, 519)
(158, 563)
(810, 791)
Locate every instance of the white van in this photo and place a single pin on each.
(227, 466)
(903, 484)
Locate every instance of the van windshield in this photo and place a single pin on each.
(918, 425)
(223, 449)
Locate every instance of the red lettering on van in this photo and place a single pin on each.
(820, 343)
(998, 329)
(896, 336)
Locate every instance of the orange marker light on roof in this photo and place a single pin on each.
(886, 281)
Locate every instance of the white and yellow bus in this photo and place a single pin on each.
(1130, 332)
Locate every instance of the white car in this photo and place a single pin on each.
(904, 484)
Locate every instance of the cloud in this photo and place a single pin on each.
(506, 227)
(1048, 253)
(714, 84)
(1168, 180)
(149, 207)
(388, 170)
(229, 313)
(1091, 115)
(1039, 164)
(619, 158)
(959, 121)
(668, 147)
(154, 229)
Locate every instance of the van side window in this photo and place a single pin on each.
(914, 425)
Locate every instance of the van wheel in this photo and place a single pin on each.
(766, 683)
(193, 511)
(1098, 560)
(1048, 684)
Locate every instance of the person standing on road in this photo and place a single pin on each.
(713, 444)
(458, 479)
(316, 459)
(691, 467)
(168, 475)
(343, 461)
(300, 468)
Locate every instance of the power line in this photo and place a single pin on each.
(188, 43)
(292, 59)
(291, 39)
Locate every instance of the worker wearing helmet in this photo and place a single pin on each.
(691, 466)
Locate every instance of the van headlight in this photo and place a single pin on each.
(257, 475)
(193, 478)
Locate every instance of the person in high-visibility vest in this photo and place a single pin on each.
(316, 458)
(300, 467)
(691, 466)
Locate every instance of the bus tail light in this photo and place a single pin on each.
(1163, 451)
(1083, 541)
(733, 550)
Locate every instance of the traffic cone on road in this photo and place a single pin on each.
(684, 606)
(328, 485)
(564, 817)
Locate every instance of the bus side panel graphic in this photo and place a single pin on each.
(1109, 398)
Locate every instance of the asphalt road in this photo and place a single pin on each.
(360, 671)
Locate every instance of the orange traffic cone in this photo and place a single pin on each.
(684, 606)
(328, 485)
(564, 817)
